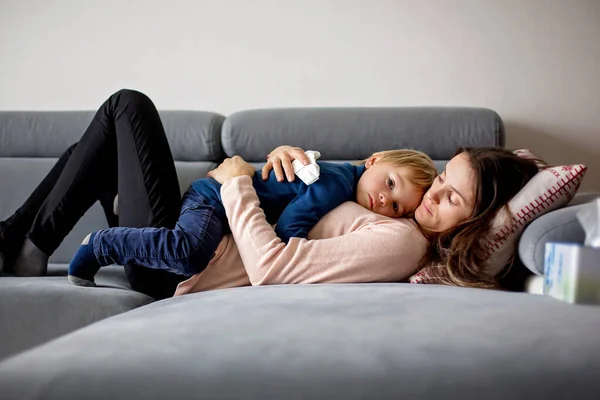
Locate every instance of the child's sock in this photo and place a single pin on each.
(84, 265)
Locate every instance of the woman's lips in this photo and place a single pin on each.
(427, 208)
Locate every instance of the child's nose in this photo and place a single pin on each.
(382, 199)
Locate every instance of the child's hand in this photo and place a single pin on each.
(230, 168)
(280, 160)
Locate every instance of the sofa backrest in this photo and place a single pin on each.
(31, 142)
(350, 134)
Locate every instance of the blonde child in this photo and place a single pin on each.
(390, 183)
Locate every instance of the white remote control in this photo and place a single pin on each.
(308, 173)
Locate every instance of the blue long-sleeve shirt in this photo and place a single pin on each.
(294, 206)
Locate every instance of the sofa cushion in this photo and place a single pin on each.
(35, 310)
(384, 341)
(356, 133)
(558, 226)
(192, 135)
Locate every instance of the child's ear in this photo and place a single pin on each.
(370, 161)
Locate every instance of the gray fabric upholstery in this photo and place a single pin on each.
(380, 341)
(35, 310)
(356, 133)
(558, 226)
(193, 135)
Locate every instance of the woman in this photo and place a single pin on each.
(355, 245)
(125, 143)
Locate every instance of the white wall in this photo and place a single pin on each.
(536, 62)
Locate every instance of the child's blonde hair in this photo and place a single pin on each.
(423, 171)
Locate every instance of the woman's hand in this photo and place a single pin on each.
(230, 168)
(280, 160)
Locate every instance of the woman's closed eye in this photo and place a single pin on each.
(450, 199)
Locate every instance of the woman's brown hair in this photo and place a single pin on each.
(458, 252)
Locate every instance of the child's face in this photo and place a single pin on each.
(384, 188)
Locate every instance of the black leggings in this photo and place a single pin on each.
(124, 151)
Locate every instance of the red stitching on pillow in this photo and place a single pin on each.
(568, 183)
(428, 275)
(419, 277)
(501, 238)
(529, 210)
(552, 195)
(520, 222)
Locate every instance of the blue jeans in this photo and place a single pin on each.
(184, 250)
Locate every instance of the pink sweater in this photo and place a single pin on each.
(350, 244)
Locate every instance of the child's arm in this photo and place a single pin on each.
(379, 252)
(298, 218)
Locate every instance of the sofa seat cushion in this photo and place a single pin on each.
(35, 310)
(347, 341)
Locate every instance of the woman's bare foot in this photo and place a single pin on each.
(31, 261)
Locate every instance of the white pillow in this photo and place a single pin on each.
(549, 189)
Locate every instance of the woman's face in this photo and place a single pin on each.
(451, 198)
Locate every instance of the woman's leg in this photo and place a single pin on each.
(125, 143)
(14, 229)
(148, 187)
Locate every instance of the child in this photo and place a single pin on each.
(390, 183)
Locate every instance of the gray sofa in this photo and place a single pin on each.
(58, 341)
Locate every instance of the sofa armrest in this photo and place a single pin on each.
(557, 226)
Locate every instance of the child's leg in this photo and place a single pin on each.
(184, 250)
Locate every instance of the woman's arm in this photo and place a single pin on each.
(381, 252)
